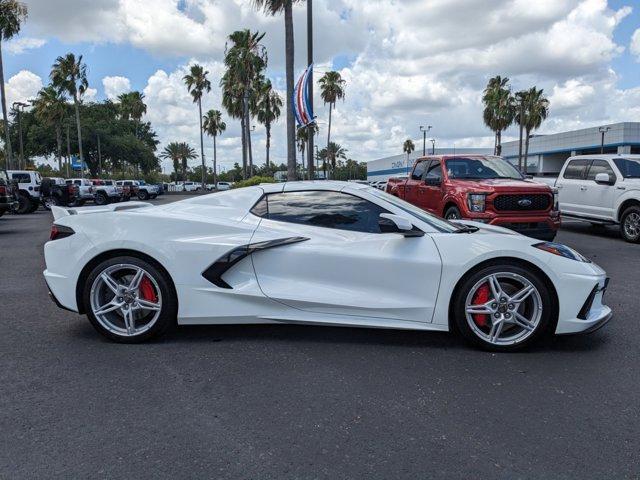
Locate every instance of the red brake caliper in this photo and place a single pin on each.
(481, 296)
(147, 292)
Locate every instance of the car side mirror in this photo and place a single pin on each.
(391, 223)
(604, 179)
(433, 181)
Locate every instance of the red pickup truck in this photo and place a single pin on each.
(481, 188)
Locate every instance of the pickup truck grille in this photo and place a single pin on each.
(520, 202)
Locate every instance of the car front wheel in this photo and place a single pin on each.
(130, 300)
(630, 224)
(504, 308)
(101, 199)
(143, 195)
(452, 213)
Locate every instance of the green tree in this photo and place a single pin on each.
(331, 90)
(69, 75)
(533, 109)
(197, 83)
(408, 147)
(50, 108)
(12, 14)
(332, 153)
(302, 138)
(499, 108)
(274, 7)
(269, 104)
(213, 126)
(173, 152)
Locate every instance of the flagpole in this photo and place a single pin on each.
(310, 62)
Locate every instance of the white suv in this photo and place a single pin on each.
(602, 189)
(28, 189)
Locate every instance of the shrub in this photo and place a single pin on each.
(253, 181)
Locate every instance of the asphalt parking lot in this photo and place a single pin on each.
(311, 402)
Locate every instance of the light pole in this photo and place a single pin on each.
(603, 130)
(424, 138)
(309, 62)
(17, 106)
(433, 146)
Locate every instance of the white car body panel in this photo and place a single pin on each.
(336, 277)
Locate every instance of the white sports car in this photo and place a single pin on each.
(329, 253)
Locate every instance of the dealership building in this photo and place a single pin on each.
(547, 153)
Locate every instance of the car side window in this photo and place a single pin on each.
(21, 177)
(576, 169)
(434, 172)
(418, 172)
(600, 166)
(320, 208)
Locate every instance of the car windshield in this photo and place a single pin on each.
(437, 223)
(474, 168)
(629, 168)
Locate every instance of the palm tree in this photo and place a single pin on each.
(499, 108)
(214, 126)
(331, 153)
(268, 107)
(331, 90)
(302, 138)
(50, 107)
(132, 107)
(197, 83)
(69, 75)
(12, 14)
(408, 147)
(274, 7)
(187, 152)
(173, 152)
(534, 109)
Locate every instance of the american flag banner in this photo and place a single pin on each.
(301, 102)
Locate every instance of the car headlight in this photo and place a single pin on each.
(556, 200)
(562, 251)
(477, 202)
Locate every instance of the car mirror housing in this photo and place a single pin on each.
(604, 179)
(391, 223)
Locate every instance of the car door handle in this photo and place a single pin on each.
(583, 188)
(621, 188)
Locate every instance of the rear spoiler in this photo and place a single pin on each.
(59, 212)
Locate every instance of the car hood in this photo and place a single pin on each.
(502, 184)
(484, 228)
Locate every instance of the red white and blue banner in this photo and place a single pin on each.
(301, 101)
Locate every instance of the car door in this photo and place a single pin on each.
(430, 192)
(600, 197)
(572, 187)
(341, 263)
(412, 185)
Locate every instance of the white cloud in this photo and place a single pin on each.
(635, 44)
(90, 95)
(22, 44)
(22, 87)
(114, 86)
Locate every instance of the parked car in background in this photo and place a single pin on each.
(106, 191)
(145, 191)
(224, 185)
(380, 184)
(7, 195)
(191, 186)
(485, 189)
(162, 188)
(28, 189)
(603, 190)
(129, 189)
(85, 190)
(55, 191)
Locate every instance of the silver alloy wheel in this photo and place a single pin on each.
(513, 309)
(49, 202)
(632, 225)
(116, 302)
(453, 216)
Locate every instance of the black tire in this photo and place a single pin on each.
(168, 312)
(24, 203)
(143, 195)
(49, 202)
(452, 213)
(101, 198)
(3, 211)
(34, 205)
(545, 325)
(629, 224)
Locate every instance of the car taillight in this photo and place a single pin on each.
(60, 231)
(3, 190)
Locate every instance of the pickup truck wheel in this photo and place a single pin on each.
(33, 205)
(130, 300)
(452, 213)
(503, 308)
(143, 195)
(101, 199)
(630, 224)
(49, 202)
(24, 203)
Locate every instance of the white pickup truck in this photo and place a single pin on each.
(601, 189)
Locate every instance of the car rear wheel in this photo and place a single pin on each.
(130, 300)
(630, 224)
(101, 199)
(503, 308)
(143, 195)
(24, 203)
(452, 213)
(49, 202)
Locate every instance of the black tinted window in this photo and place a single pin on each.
(628, 168)
(21, 177)
(435, 171)
(324, 209)
(600, 166)
(576, 169)
(418, 172)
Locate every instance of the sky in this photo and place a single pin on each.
(406, 63)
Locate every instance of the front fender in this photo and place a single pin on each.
(633, 194)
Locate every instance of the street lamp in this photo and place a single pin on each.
(433, 146)
(17, 106)
(603, 130)
(424, 138)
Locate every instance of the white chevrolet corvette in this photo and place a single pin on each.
(323, 253)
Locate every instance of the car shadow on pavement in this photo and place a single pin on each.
(585, 228)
